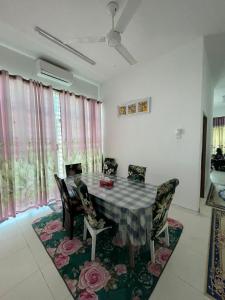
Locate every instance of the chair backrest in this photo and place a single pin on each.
(73, 169)
(164, 197)
(58, 182)
(90, 212)
(136, 173)
(110, 166)
(65, 195)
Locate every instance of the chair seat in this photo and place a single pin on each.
(96, 223)
(108, 222)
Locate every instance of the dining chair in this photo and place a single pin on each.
(136, 173)
(59, 184)
(72, 206)
(164, 197)
(93, 223)
(73, 169)
(110, 166)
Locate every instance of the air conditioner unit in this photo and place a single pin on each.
(54, 73)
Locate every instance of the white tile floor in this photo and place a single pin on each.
(27, 273)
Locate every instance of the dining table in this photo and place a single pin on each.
(128, 203)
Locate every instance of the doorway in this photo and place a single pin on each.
(203, 161)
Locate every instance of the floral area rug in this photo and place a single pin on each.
(216, 267)
(216, 197)
(109, 277)
(222, 194)
(56, 206)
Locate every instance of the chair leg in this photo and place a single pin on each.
(63, 212)
(93, 247)
(152, 249)
(167, 237)
(85, 232)
(71, 226)
(124, 236)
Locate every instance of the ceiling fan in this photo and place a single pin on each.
(113, 37)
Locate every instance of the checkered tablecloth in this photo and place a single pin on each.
(128, 203)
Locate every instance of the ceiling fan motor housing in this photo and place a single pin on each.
(114, 38)
(112, 7)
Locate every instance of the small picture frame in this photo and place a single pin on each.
(122, 110)
(132, 108)
(143, 105)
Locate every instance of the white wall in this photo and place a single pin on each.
(174, 82)
(219, 110)
(207, 108)
(18, 64)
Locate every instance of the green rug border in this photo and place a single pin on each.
(211, 244)
(54, 212)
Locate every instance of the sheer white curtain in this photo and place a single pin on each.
(81, 131)
(27, 145)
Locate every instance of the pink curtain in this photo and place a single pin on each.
(81, 131)
(27, 145)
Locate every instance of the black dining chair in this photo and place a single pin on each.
(59, 184)
(136, 173)
(73, 169)
(72, 206)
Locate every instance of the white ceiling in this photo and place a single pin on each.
(158, 27)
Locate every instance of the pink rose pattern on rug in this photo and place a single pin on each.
(45, 236)
(93, 276)
(162, 255)
(61, 261)
(68, 247)
(120, 269)
(136, 298)
(51, 251)
(154, 268)
(53, 226)
(173, 223)
(86, 279)
(72, 285)
(88, 295)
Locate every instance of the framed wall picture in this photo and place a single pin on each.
(143, 105)
(122, 110)
(132, 108)
(139, 106)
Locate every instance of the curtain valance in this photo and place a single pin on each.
(47, 86)
(219, 121)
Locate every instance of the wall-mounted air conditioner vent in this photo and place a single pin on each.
(54, 73)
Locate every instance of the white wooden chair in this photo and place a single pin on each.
(93, 232)
(152, 242)
(92, 223)
(160, 211)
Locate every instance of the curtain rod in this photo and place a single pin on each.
(48, 86)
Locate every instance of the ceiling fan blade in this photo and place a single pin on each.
(88, 39)
(127, 14)
(126, 54)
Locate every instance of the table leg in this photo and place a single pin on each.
(123, 233)
(131, 255)
(149, 231)
(149, 226)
